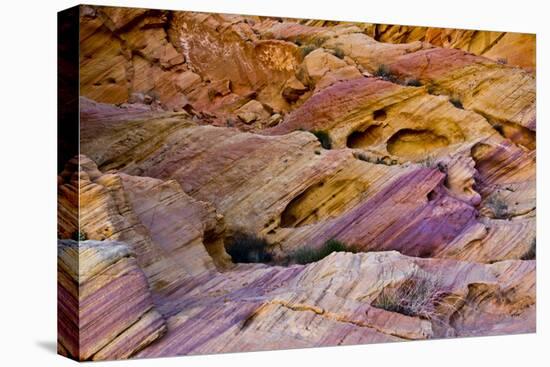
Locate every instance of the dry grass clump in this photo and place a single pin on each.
(420, 295)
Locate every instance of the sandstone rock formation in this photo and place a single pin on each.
(415, 151)
(103, 295)
(517, 49)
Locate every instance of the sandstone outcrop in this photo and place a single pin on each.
(318, 193)
(104, 296)
(509, 48)
(413, 148)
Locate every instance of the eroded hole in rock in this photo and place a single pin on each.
(518, 134)
(321, 201)
(414, 144)
(363, 139)
(214, 244)
(379, 115)
(432, 195)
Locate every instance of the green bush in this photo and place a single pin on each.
(384, 72)
(307, 49)
(248, 248)
(413, 83)
(79, 236)
(306, 255)
(323, 138)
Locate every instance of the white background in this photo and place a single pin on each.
(28, 182)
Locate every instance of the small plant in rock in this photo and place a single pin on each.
(307, 255)
(431, 89)
(428, 162)
(419, 295)
(456, 102)
(307, 49)
(362, 157)
(79, 236)
(498, 206)
(531, 254)
(339, 53)
(442, 167)
(323, 137)
(384, 72)
(502, 60)
(413, 83)
(248, 248)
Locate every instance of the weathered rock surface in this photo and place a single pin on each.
(209, 310)
(516, 49)
(413, 149)
(104, 296)
(319, 193)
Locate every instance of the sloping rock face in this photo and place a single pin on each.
(104, 295)
(516, 49)
(415, 153)
(290, 190)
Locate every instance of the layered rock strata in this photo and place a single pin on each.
(105, 307)
(413, 147)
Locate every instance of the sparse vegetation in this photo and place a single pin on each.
(307, 49)
(498, 206)
(419, 295)
(384, 72)
(502, 60)
(79, 236)
(531, 254)
(248, 248)
(431, 89)
(456, 102)
(339, 53)
(323, 138)
(428, 162)
(413, 83)
(307, 255)
(378, 160)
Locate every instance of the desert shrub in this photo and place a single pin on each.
(378, 160)
(79, 236)
(248, 248)
(419, 295)
(428, 162)
(306, 255)
(413, 83)
(531, 254)
(323, 138)
(307, 49)
(498, 206)
(502, 60)
(384, 72)
(339, 53)
(431, 89)
(456, 102)
(362, 157)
